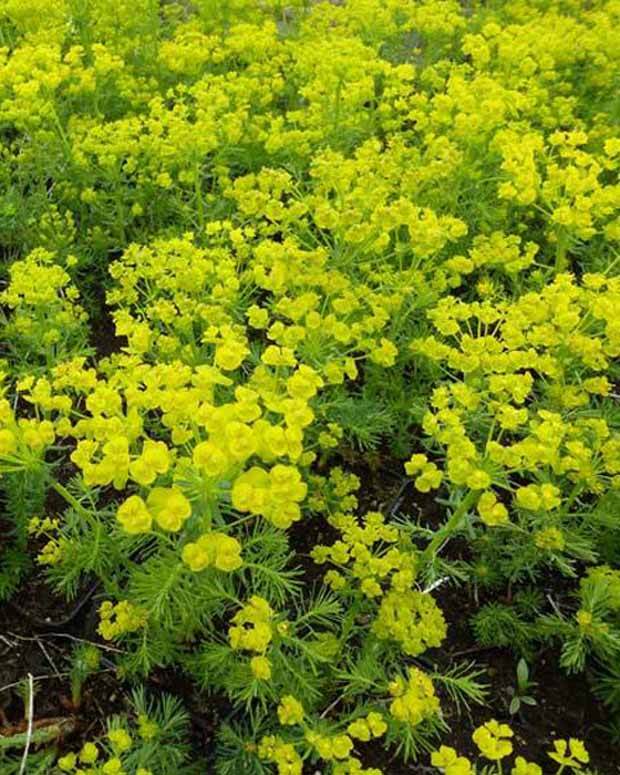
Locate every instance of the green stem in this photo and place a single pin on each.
(120, 215)
(561, 262)
(338, 100)
(241, 521)
(572, 497)
(61, 133)
(45, 734)
(347, 625)
(73, 502)
(451, 525)
(198, 192)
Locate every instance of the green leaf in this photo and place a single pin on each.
(523, 673)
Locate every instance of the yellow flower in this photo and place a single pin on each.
(366, 728)
(169, 507)
(412, 618)
(258, 317)
(491, 511)
(147, 728)
(250, 491)
(227, 552)
(385, 354)
(569, 754)
(522, 767)
(414, 699)
(113, 766)
(68, 762)
(217, 549)
(211, 458)
(551, 539)
(230, 355)
(282, 754)
(359, 730)
(120, 740)
(134, 515)
(528, 498)
(290, 711)
(257, 636)
(329, 748)
(154, 460)
(261, 668)
(120, 618)
(304, 383)
(446, 758)
(478, 480)
(493, 740)
(89, 753)
(8, 442)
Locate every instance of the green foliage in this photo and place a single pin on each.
(497, 624)
(22, 496)
(520, 693)
(85, 660)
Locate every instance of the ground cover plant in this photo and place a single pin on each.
(309, 422)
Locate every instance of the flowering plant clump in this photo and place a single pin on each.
(256, 255)
(149, 739)
(493, 743)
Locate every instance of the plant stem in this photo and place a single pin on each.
(561, 262)
(73, 502)
(451, 525)
(198, 194)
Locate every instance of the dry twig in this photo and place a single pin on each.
(30, 714)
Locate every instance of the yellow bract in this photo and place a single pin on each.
(213, 549)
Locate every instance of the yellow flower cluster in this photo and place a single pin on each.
(414, 698)
(569, 753)
(109, 756)
(333, 494)
(447, 759)
(53, 550)
(252, 628)
(367, 553)
(290, 711)
(413, 619)
(526, 375)
(213, 549)
(551, 539)
(274, 494)
(330, 747)
(46, 314)
(117, 619)
(367, 728)
(167, 506)
(493, 740)
(283, 755)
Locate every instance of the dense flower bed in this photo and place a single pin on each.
(330, 236)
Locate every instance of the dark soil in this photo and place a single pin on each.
(45, 653)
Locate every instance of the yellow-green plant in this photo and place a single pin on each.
(252, 247)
